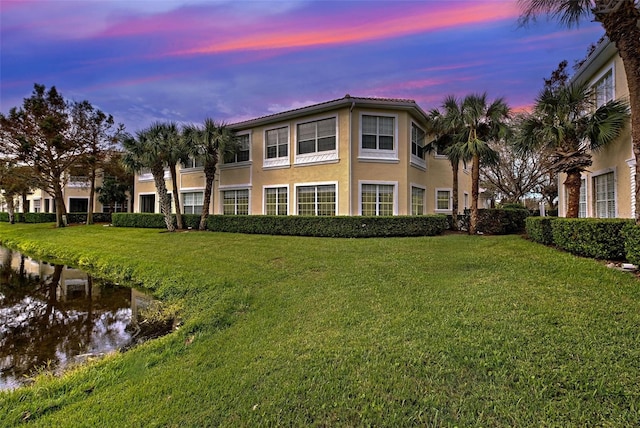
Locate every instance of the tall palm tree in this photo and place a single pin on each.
(620, 19)
(209, 144)
(480, 123)
(446, 128)
(565, 121)
(174, 151)
(146, 150)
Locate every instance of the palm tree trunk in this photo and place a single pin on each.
(475, 191)
(572, 184)
(176, 196)
(10, 208)
(455, 166)
(209, 174)
(165, 202)
(622, 29)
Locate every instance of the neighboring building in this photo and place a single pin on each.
(608, 187)
(76, 198)
(350, 156)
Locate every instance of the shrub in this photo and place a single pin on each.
(341, 226)
(498, 221)
(591, 237)
(539, 229)
(81, 218)
(631, 234)
(39, 217)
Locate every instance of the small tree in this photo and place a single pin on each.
(41, 135)
(15, 180)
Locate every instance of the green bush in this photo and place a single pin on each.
(81, 218)
(39, 217)
(498, 221)
(341, 226)
(631, 234)
(539, 229)
(591, 237)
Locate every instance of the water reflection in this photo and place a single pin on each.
(54, 315)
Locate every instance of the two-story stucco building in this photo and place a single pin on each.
(349, 156)
(608, 187)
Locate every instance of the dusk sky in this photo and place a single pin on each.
(169, 60)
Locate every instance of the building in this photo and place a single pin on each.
(349, 156)
(608, 187)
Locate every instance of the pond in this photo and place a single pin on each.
(53, 316)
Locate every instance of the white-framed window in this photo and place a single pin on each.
(603, 90)
(148, 203)
(192, 202)
(192, 163)
(417, 200)
(466, 200)
(37, 205)
(316, 200)
(605, 195)
(243, 151)
(417, 146)
(277, 143)
(317, 141)
(276, 200)
(377, 199)
(235, 202)
(582, 208)
(443, 199)
(378, 136)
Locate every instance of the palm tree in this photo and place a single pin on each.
(446, 129)
(146, 150)
(480, 124)
(208, 144)
(619, 18)
(565, 121)
(174, 151)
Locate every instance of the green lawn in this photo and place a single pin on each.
(439, 331)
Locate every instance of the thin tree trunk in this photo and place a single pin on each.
(176, 196)
(622, 29)
(572, 183)
(10, 208)
(209, 177)
(163, 195)
(61, 210)
(475, 190)
(455, 166)
(92, 192)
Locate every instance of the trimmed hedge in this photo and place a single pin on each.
(591, 237)
(538, 229)
(340, 226)
(81, 218)
(498, 221)
(631, 234)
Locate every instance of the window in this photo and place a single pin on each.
(417, 142)
(378, 132)
(78, 205)
(235, 202)
(242, 151)
(275, 201)
(377, 199)
(603, 89)
(37, 205)
(443, 200)
(193, 163)
(277, 143)
(192, 202)
(605, 195)
(316, 136)
(417, 201)
(116, 207)
(317, 200)
(582, 209)
(147, 203)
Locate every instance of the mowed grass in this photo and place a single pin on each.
(438, 331)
